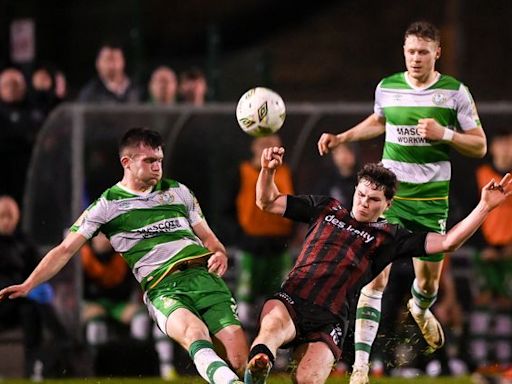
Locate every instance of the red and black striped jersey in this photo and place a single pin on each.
(340, 254)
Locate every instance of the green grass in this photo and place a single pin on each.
(275, 379)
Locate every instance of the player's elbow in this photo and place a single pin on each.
(263, 204)
(450, 245)
(479, 150)
(482, 150)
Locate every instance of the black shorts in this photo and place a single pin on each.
(313, 323)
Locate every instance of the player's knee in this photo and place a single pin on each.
(428, 285)
(191, 333)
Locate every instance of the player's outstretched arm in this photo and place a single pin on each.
(371, 127)
(268, 196)
(493, 194)
(49, 265)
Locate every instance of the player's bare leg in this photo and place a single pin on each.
(315, 362)
(235, 347)
(276, 329)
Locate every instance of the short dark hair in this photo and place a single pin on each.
(423, 30)
(140, 136)
(110, 44)
(380, 177)
(501, 133)
(193, 73)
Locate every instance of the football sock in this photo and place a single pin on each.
(139, 326)
(422, 301)
(209, 365)
(503, 337)
(165, 350)
(479, 326)
(261, 348)
(96, 332)
(367, 324)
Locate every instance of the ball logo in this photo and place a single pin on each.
(262, 111)
(246, 122)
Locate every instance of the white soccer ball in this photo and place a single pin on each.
(260, 112)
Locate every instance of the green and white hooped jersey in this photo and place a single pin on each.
(152, 231)
(422, 166)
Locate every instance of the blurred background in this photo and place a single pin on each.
(75, 75)
(315, 51)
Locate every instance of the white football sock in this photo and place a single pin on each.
(367, 324)
(209, 365)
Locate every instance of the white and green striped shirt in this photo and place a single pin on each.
(152, 232)
(422, 166)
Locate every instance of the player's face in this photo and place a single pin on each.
(144, 165)
(369, 202)
(420, 57)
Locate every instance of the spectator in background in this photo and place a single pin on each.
(17, 133)
(340, 184)
(491, 319)
(61, 86)
(111, 84)
(163, 86)
(262, 237)
(17, 259)
(111, 295)
(42, 96)
(193, 87)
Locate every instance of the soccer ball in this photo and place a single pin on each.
(260, 112)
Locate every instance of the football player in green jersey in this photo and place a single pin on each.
(423, 114)
(157, 226)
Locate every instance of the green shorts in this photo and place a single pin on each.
(202, 293)
(261, 276)
(421, 216)
(113, 309)
(494, 276)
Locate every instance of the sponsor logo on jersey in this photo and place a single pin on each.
(168, 225)
(409, 135)
(331, 219)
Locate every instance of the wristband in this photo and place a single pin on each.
(448, 135)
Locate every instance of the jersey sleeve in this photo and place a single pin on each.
(303, 208)
(467, 114)
(195, 214)
(410, 244)
(89, 223)
(377, 106)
